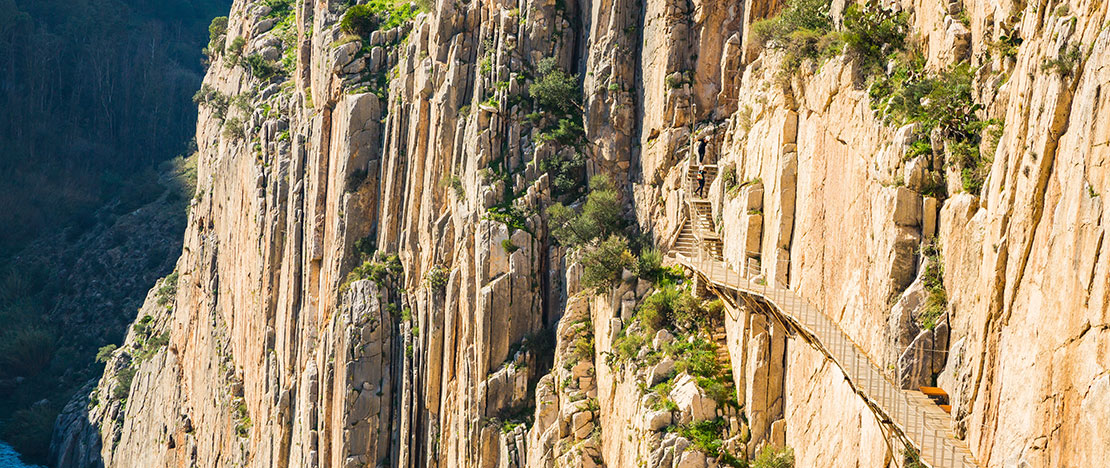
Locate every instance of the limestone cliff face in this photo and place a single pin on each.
(292, 337)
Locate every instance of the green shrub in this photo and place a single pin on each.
(457, 186)
(649, 265)
(567, 131)
(233, 129)
(508, 214)
(509, 246)
(377, 270)
(697, 357)
(261, 68)
(799, 30)
(583, 348)
(554, 90)
(242, 102)
(235, 48)
(872, 33)
(151, 346)
(1008, 44)
(674, 80)
(673, 307)
(730, 179)
(805, 30)
(123, 383)
(167, 291)
(217, 31)
(911, 459)
(142, 327)
(279, 8)
(566, 172)
(771, 457)
(105, 353)
(936, 299)
(437, 277)
(359, 20)
(627, 347)
(1065, 64)
(604, 264)
(798, 15)
(242, 417)
(600, 216)
(708, 436)
(944, 102)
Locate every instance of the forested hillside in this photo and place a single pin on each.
(96, 100)
(95, 92)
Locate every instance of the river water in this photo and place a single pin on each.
(9, 458)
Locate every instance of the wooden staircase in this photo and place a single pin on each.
(692, 177)
(720, 338)
(687, 242)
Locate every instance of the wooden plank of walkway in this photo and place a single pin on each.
(911, 413)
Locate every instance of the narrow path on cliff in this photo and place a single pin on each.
(910, 414)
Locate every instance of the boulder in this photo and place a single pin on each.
(691, 459)
(662, 338)
(693, 403)
(344, 54)
(657, 420)
(582, 422)
(660, 371)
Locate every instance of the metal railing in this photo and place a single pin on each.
(920, 423)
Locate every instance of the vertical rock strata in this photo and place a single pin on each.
(368, 279)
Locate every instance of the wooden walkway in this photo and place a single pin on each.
(911, 414)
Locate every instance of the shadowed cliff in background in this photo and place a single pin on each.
(96, 102)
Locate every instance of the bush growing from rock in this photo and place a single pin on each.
(167, 291)
(377, 269)
(605, 263)
(554, 90)
(649, 266)
(944, 102)
(599, 218)
(236, 47)
(800, 30)
(871, 33)
(123, 383)
(566, 170)
(936, 300)
(359, 20)
(217, 31)
(673, 308)
(708, 436)
(771, 457)
(260, 67)
(105, 353)
(233, 129)
(437, 277)
(568, 132)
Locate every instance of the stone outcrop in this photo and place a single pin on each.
(368, 279)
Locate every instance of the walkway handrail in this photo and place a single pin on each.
(911, 419)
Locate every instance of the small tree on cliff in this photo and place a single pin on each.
(599, 218)
(605, 264)
(554, 90)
